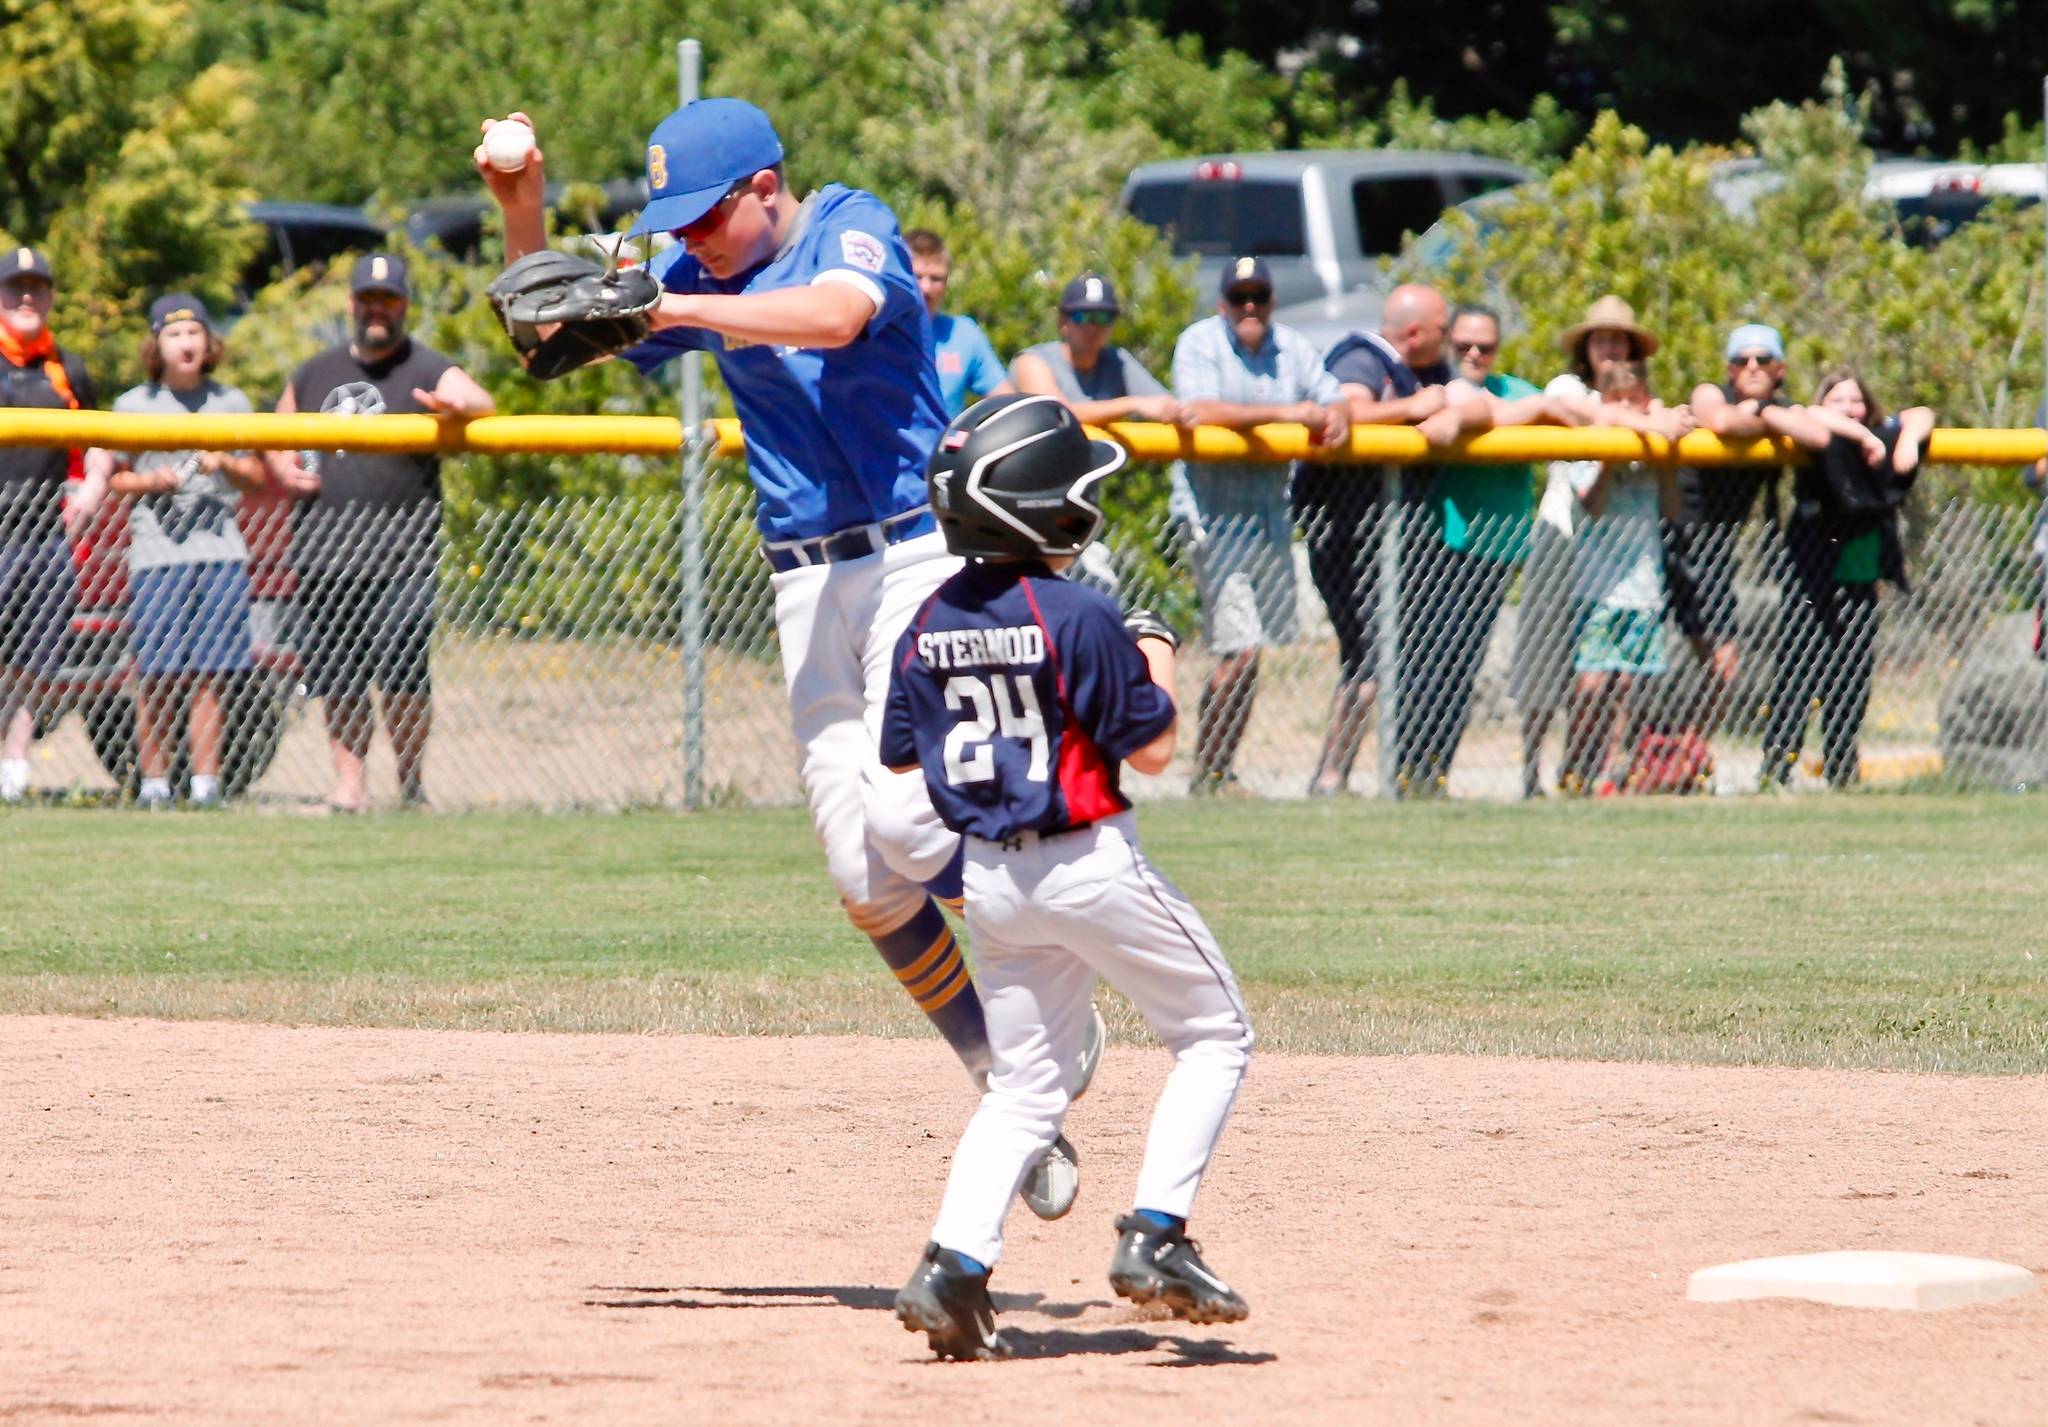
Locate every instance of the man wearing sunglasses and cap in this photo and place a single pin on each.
(1098, 380)
(1241, 369)
(1714, 504)
(39, 506)
(813, 313)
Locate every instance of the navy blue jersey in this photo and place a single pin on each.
(1020, 694)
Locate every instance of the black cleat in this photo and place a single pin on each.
(949, 1304)
(1154, 1265)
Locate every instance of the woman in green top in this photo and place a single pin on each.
(1842, 538)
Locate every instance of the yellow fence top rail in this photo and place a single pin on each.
(1146, 441)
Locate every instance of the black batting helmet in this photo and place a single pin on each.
(1014, 476)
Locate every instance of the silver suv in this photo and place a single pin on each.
(1321, 218)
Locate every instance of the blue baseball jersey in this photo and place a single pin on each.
(1020, 694)
(836, 437)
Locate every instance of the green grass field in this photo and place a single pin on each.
(1872, 930)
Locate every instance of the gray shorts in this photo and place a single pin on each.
(1243, 558)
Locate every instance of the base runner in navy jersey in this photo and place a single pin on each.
(1019, 696)
(814, 317)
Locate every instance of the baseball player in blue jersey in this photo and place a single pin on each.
(1019, 695)
(813, 314)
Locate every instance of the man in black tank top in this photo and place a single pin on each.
(364, 542)
(1714, 505)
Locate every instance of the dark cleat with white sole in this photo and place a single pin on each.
(949, 1304)
(1155, 1265)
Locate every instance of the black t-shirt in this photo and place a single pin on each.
(32, 477)
(1725, 495)
(377, 512)
(1370, 362)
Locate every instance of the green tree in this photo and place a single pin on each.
(131, 192)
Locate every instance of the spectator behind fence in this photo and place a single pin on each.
(1547, 621)
(966, 360)
(1619, 582)
(37, 589)
(1714, 504)
(364, 547)
(1098, 380)
(1398, 376)
(2035, 479)
(1842, 538)
(1241, 369)
(1476, 533)
(188, 608)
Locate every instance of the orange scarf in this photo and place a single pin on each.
(43, 349)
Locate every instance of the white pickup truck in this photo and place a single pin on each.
(1321, 218)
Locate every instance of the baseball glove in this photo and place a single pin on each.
(563, 312)
(1145, 624)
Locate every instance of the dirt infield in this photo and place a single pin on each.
(235, 1224)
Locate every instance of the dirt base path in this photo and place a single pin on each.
(216, 1223)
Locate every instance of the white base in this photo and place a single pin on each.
(1863, 1279)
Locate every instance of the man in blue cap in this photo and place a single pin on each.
(1714, 505)
(813, 313)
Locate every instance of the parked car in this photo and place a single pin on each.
(300, 235)
(1929, 199)
(1321, 218)
(456, 223)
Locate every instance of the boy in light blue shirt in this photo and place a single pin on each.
(966, 359)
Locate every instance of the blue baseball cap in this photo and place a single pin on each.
(1090, 292)
(699, 152)
(1755, 337)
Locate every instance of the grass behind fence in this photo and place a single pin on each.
(1867, 930)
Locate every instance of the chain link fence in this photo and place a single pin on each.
(1346, 645)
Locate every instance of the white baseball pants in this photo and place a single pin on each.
(1047, 916)
(838, 625)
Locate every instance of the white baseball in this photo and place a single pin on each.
(508, 144)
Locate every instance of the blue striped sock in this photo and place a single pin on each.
(926, 959)
(1172, 1223)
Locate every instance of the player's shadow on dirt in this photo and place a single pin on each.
(1116, 1342)
(821, 1296)
(1023, 1342)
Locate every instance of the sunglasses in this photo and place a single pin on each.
(1249, 297)
(1090, 319)
(714, 217)
(1752, 359)
(1484, 349)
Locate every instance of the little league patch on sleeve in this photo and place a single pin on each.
(862, 250)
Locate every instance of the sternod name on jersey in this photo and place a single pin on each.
(979, 648)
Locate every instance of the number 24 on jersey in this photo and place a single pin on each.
(1002, 703)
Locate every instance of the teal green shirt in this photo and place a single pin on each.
(1856, 563)
(1485, 510)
